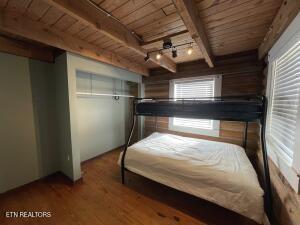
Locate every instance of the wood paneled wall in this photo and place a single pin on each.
(241, 75)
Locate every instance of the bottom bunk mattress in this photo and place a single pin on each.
(215, 171)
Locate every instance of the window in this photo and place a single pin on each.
(283, 122)
(209, 86)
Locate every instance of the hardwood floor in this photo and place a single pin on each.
(100, 198)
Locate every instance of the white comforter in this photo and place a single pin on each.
(215, 171)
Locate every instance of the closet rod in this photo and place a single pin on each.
(99, 94)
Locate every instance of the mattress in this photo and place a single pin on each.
(215, 171)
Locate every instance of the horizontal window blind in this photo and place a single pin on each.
(194, 89)
(285, 101)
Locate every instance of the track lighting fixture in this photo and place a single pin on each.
(147, 57)
(167, 45)
(174, 52)
(190, 50)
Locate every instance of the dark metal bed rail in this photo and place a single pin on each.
(230, 108)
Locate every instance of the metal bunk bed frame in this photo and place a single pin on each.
(232, 108)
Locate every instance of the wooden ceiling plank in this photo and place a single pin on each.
(19, 5)
(37, 9)
(246, 33)
(93, 37)
(75, 28)
(145, 11)
(161, 29)
(226, 7)
(264, 18)
(21, 48)
(247, 6)
(237, 39)
(88, 14)
(51, 16)
(129, 7)
(169, 9)
(17, 24)
(109, 5)
(151, 37)
(174, 35)
(205, 4)
(84, 33)
(145, 21)
(64, 22)
(160, 24)
(212, 21)
(190, 16)
(287, 12)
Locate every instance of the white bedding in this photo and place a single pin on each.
(215, 171)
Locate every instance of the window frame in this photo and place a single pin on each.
(291, 171)
(215, 132)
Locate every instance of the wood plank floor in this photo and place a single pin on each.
(100, 198)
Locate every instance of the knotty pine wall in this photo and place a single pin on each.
(242, 75)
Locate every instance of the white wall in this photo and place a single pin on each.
(35, 134)
(77, 63)
(65, 147)
(101, 120)
(18, 147)
(38, 116)
(43, 88)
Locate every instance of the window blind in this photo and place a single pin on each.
(194, 89)
(285, 101)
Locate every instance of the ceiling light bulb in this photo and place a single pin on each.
(190, 50)
(158, 55)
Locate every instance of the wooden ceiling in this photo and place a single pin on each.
(230, 25)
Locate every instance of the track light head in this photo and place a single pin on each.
(190, 50)
(174, 52)
(158, 55)
(147, 57)
(167, 43)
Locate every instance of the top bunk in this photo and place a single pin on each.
(230, 108)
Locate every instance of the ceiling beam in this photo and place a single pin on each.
(286, 13)
(88, 14)
(16, 23)
(189, 13)
(21, 48)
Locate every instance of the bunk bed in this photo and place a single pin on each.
(215, 171)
